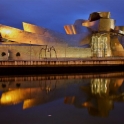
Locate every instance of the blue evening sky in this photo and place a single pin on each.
(54, 14)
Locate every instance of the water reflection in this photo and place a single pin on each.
(101, 95)
(96, 92)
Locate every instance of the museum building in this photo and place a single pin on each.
(96, 37)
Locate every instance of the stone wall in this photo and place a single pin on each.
(3, 53)
(16, 52)
(76, 52)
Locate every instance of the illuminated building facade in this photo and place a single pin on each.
(96, 37)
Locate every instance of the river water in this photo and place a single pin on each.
(62, 99)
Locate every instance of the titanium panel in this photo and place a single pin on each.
(116, 46)
(76, 29)
(119, 28)
(106, 24)
(80, 39)
(70, 29)
(21, 36)
(98, 15)
(94, 25)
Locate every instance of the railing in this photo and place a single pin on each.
(86, 61)
(57, 77)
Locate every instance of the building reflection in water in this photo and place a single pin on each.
(96, 94)
(31, 93)
(101, 95)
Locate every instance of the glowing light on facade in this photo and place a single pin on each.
(98, 36)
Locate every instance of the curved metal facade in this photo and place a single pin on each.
(82, 34)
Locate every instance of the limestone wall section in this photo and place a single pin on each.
(3, 53)
(41, 53)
